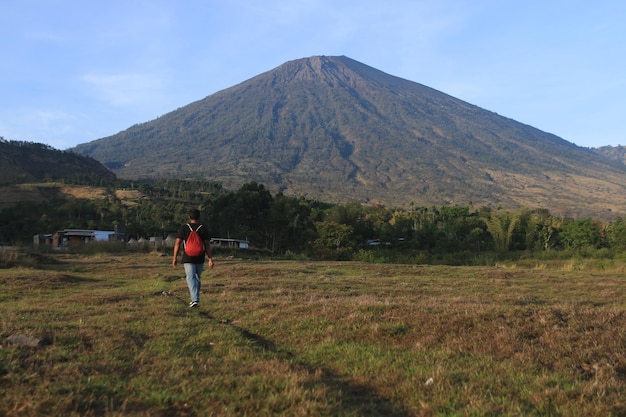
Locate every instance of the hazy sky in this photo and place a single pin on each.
(76, 71)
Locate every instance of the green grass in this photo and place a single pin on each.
(298, 338)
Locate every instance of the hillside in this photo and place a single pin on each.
(336, 130)
(22, 162)
(35, 173)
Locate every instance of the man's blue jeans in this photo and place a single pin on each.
(193, 273)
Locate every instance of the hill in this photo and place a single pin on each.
(336, 130)
(34, 172)
(22, 162)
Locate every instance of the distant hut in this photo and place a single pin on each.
(170, 240)
(72, 237)
(230, 243)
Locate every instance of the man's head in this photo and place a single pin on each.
(194, 214)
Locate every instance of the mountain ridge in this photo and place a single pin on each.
(337, 130)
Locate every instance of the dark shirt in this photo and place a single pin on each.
(183, 233)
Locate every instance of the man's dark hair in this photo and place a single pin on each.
(194, 214)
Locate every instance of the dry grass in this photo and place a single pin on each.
(42, 192)
(311, 338)
(129, 197)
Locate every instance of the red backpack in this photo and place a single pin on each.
(194, 246)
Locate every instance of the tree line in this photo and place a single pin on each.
(281, 224)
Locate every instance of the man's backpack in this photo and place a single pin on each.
(194, 246)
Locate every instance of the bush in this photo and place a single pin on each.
(9, 257)
(371, 256)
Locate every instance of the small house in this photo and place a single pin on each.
(69, 237)
(230, 243)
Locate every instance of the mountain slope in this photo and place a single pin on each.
(336, 130)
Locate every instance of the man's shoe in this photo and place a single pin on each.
(193, 304)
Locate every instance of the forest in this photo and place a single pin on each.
(286, 225)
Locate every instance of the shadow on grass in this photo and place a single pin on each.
(74, 279)
(351, 398)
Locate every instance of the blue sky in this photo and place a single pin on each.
(76, 71)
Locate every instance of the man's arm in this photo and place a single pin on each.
(176, 250)
(207, 249)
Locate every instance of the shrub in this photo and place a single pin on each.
(9, 257)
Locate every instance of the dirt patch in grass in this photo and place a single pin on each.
(83, 191)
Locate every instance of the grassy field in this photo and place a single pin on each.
(311, 339)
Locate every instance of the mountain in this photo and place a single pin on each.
(616, 153)
(336, 130)
(22, 162)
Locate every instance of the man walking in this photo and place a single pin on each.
(193, 253)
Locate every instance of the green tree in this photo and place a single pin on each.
(290, 224)
(335, 240)
(616, 234)
(402, 224)
(500, 225)
(546, 230)
(242, 215)
(355, 216)
(578, 234)
(457, 229)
